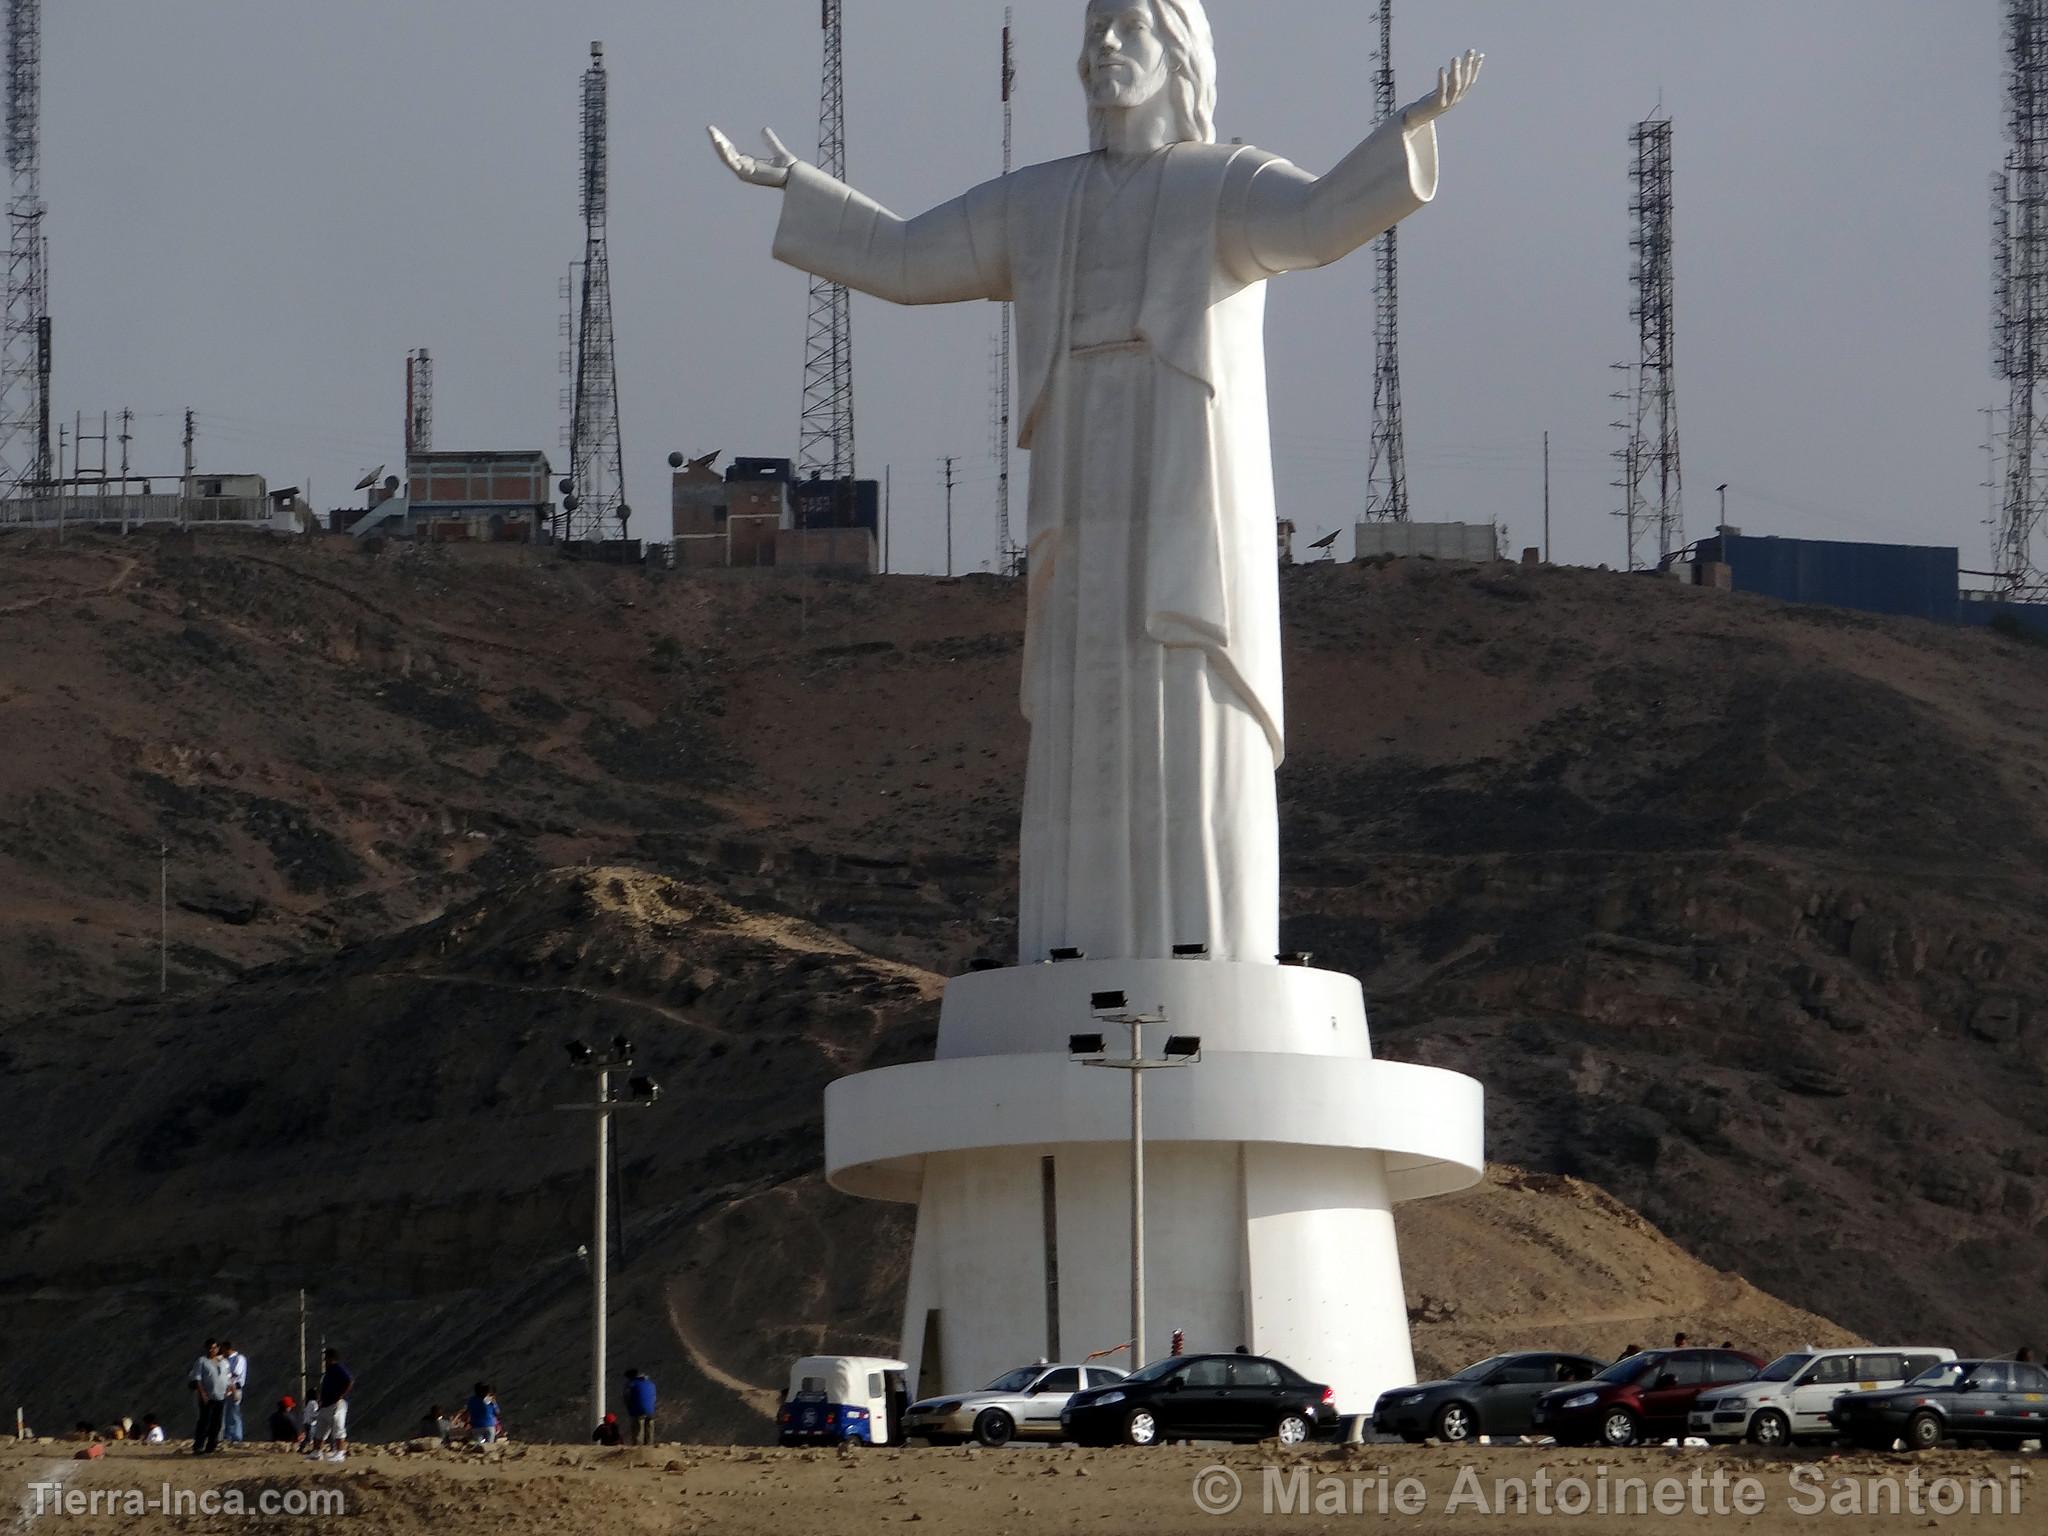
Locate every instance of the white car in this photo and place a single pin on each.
(1790, 1398)
(1023, 1404)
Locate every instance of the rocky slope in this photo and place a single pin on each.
(1736, 908)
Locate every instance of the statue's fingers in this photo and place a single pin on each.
(781, 149)
(725, 149)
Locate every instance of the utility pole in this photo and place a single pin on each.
(191, 469)
(302, 1343)
(888, 500)
(949, 517)
(1089, 1051)
(163, 918)
(127, 436)
(642, 1094)
(1546, 498)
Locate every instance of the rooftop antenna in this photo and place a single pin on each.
(1386, 475)
(594, 493)
(825, 437)
(25, 337)
(419, 403)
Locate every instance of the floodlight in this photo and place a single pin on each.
(1084, 1045)
(1183, 1047)
(644, 1088)
(1190, 951)
(622, 1048)
(1106, 1002)
(1295, 957)
(579, 1053)
(1065, 953)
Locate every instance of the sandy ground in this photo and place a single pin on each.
(676, 1488)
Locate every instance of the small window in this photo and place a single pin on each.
(2027, 1377)
(1254, 1373)
(1989, 1376)
(1879, 1368)
(1726, 1365)
(1682, 1370)
(1913, 1365)
(1206, 1373)
(874, 1384)
(1103, 1375)
(1066, 1379)
(1524, 1373)
(1832, 1371)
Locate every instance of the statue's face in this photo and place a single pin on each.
(1125, 57)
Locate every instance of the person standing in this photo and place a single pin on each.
(238, 1371)
(640, 1407)
(209, 1379)
(329, 1424)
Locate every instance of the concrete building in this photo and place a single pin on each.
(1435, 541)
(490, 497)
(757, 515)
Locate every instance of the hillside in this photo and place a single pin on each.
(1736, 908)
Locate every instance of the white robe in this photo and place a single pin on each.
(1152, 648)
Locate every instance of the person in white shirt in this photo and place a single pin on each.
(238, 1371)
(152, 1432)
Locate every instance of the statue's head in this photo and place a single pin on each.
(1138, 50)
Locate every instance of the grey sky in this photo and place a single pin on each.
(257, 207)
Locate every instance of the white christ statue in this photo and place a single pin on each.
(1152, 646)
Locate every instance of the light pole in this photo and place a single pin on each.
(642, 1093)
(1723, 489)
(1088, 1051)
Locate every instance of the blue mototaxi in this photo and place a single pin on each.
(834, 1399)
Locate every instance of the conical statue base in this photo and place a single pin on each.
(1272, 1166)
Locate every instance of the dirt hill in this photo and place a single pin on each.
(1735, 907)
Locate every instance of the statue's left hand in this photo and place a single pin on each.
(1452, 87)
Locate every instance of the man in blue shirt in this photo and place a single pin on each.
(483, 1414)
(640, 1407)
(210, 1380)
(330, 1422)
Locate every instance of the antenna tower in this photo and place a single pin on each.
(594, 494)
(1386, 475)
(419, 402)
(1008, 556)
(1651, 483)
(825, 438)
(2019, 339)
(25, 338)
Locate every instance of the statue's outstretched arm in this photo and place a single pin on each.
(953, 253)
(1293, 220)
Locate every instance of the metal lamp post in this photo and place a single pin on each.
(642, 1094)
(1088, 1051)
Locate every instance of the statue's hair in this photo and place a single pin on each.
(1191, 70)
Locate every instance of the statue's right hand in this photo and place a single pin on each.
(772, 171)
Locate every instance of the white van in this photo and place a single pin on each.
(1790, 1398)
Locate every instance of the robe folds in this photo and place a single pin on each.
(1152, 653)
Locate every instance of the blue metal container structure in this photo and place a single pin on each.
(1917, 581)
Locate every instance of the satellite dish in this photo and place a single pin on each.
(370, 479)
(568, 486)
(1326, 541)
(707, 460)
(675, 461)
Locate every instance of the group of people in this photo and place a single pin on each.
(219, 1381)
(639, 1429)
(479, 1422)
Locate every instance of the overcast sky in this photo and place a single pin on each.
(258, 206)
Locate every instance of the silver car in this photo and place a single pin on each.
(1023, 1404)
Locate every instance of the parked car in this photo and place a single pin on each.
(1021, 1404)
(1202, 1397)
(2001, 1401)
(1496, 1396)
(1790, 1399)
(1648, 1396)
(834, 1399)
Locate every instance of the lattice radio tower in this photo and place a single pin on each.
(594, 494)
(1651, 483)
(825, 438)
(1007, 553)
(2019, 338)
(419, 402)
(1386, 475)
(25, 344)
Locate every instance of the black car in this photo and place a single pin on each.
(1202, 1397)
(2004, 1402)
(1494, 1397)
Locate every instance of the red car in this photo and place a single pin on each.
(1645, 1397)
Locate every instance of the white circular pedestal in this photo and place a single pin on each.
(1272, 1166)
